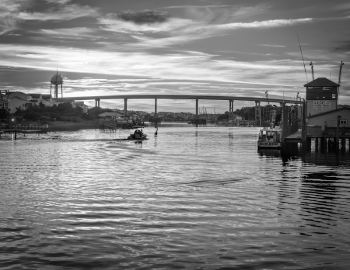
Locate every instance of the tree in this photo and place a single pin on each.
(3, 113)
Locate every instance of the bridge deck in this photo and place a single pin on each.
(210, 97)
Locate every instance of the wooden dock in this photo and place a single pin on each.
(23, 130)
(324, 140)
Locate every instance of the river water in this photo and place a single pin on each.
(190, 198)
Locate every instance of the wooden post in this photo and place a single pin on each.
(316, 144)
(155, 114)
(197, 112)
(337, 134)
(304, 127)
(343, 141)
(308, 144)
(323, 144)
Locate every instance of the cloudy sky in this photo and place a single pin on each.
(201, 47)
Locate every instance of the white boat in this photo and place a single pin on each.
(269, 138)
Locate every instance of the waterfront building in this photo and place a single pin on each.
(321, 96)
(81, 105)
(17, 100)
(110, 115)
(37, 99)
(4, 104)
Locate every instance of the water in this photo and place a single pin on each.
(190, 198)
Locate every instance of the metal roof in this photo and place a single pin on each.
(321, 82)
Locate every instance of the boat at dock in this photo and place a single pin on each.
(269, 138)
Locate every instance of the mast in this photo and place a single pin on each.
(312, 71)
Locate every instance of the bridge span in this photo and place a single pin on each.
(231, 99)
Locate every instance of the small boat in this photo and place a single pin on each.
(269, 138)
(138, 134)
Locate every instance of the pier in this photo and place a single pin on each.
(324, 124)
(25, 130)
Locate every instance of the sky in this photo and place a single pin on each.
(197, 47)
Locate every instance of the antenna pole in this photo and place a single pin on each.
(312, 71)
(340, 68)
(302, 58)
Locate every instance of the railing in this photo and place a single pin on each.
(19, 127)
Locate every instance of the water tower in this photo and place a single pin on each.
(56, 80)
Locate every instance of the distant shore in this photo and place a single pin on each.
(71, 126)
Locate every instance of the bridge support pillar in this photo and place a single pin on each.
(97, 102)
(257, 112)
(196, 108)
(125, 106)
(231, 109)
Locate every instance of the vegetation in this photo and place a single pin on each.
(248, 113)
(57, 112)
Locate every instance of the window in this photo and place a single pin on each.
(343, 122)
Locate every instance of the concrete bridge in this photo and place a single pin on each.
(231, 99)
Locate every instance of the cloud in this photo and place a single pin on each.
(184, 66)
(61, 2)
(115, 24)
(143, 17)
(263, 24)
(8, 14)
(194, 31)
(74, 32)
(272, 45)
(14, 11)
(67, 12)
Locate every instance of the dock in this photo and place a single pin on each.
(325, 139)
(23, 130)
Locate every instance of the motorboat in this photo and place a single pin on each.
(269, 138)
(137, 134)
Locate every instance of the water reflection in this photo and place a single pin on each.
(190, 198)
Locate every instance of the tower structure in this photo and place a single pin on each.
(321, 96)
(56, 80)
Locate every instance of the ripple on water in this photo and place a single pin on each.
(188, 198)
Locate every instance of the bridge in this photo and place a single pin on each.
(231, 99)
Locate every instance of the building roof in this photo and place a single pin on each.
(47, 96)
(109, 114)
(18, 98)
(35, 96)
(328, 112)
(321, 82)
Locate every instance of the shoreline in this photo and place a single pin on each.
(71, 126)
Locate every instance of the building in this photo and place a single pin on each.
(321, 96)
(17, 100)
(81, 105)
(110, 115)
(4, 104)
(330, 119)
